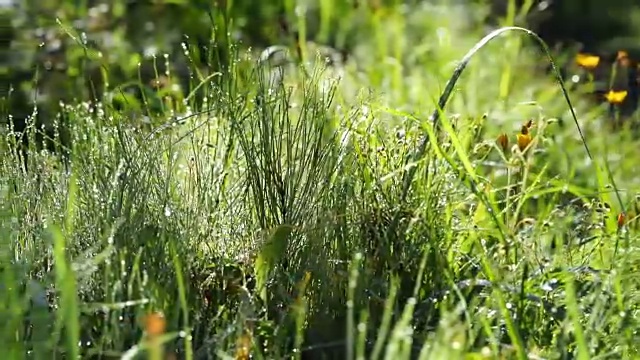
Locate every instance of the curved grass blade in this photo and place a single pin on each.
(434, 119)
(446, 94)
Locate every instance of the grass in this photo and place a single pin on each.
(292, 214)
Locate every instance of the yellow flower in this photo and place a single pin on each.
(587, 61)
(616, 97)
(524, 137)
(503, 142)
(523, 141)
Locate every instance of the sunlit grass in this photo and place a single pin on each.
(326, 210)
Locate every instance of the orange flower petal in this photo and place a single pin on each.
(503, 142)
(155, 324)
(621, 219)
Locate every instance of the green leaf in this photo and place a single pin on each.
(272, 252)
(66, 284)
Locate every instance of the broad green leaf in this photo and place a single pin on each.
(272, 252)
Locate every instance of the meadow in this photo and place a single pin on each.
(426, 187)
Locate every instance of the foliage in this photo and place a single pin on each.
(293, 195)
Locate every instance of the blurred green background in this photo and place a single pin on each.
(40, 38)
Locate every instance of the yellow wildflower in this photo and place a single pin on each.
(524, 137)
(616, 97)
(587, 61)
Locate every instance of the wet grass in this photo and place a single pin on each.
(325, 211)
